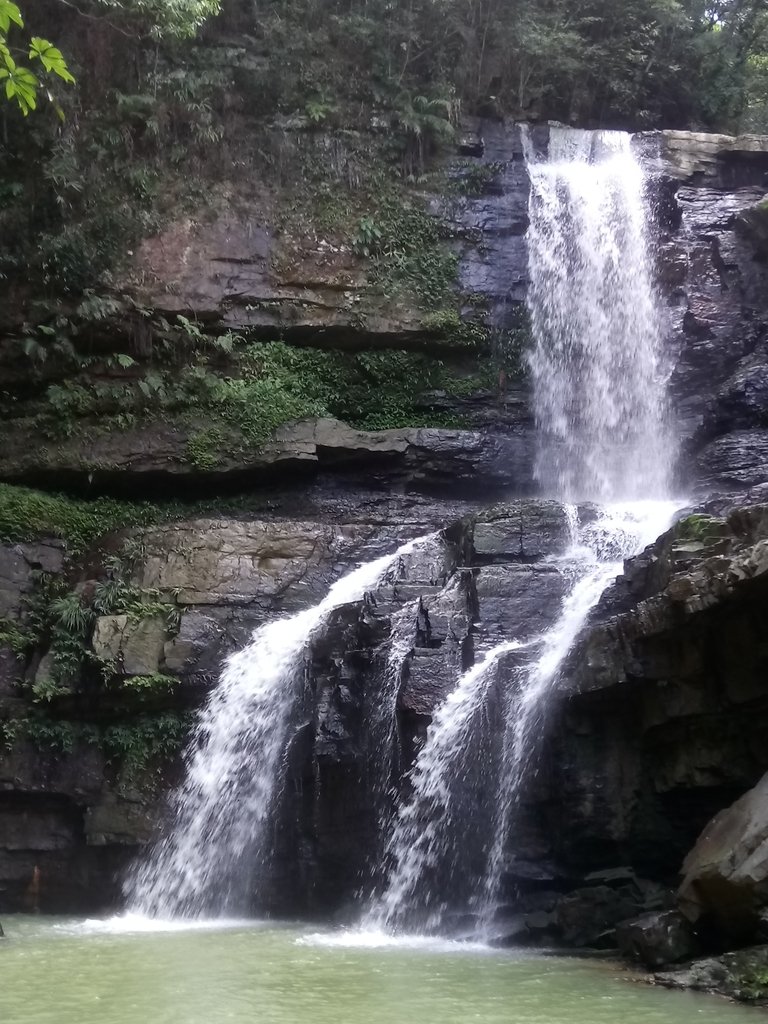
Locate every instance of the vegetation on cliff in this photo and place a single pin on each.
(329, 117)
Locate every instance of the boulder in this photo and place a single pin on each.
(133, 646)
(197, 635)
(725, 881)
(657, 939)
(587, 917)
(17, 564)
(521, 531)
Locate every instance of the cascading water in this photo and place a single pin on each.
(599, 394)
(596, 365)
(422, 835)
(595, 559)
(218, 842)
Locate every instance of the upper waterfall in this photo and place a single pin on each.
(597, 368)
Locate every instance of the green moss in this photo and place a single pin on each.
(699, 527)
(204, 448)
(26, 515)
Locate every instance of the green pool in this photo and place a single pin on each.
(60, 971)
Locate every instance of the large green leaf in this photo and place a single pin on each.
(9, 12)
(51, 57)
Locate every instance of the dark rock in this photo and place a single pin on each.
(725, 882)
(517, 601)
(521, 531)
(742, 975)
(753, 225)
(736, 459)
(18, 562)
(587, 917)
(657, 939)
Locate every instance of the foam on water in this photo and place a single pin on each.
(372, 938)
(140, 924)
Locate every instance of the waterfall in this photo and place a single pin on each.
(596, 364)
(594, 560)
(422, 836)
(218, 844)
(599, 387)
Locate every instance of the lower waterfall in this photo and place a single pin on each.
(427, 849)
(219, 837)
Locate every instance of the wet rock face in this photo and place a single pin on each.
(663, 714)
(663, 720)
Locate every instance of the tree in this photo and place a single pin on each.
(179, 18)
(21, 83)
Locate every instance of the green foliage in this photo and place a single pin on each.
(367, 240)
(138, 748)
(27, 514)
(49, 735)
(318, 108)
(475, 179)
(14, 636)
(141, 747)
(448, 324)
(151, 685)
(19, 84)
(44, 691)
(410, 255)
(266, 385)
(204, 448)
(180, 18)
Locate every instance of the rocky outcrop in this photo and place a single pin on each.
(661, 724)
(416, 458)
(725, 876)
(725, 160)
(741, 975)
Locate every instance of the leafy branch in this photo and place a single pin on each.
(21, 83)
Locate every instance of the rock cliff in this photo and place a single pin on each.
(662, 716)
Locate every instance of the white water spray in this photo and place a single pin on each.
(219, 840)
